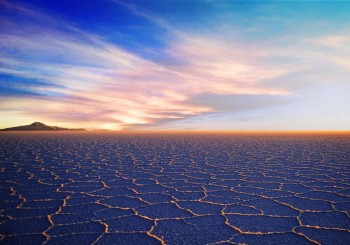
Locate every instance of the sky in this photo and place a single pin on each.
(175, 64)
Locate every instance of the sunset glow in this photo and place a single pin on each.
(176, 65)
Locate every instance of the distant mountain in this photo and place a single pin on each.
(38, 126)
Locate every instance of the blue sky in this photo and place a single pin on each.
(176, 65)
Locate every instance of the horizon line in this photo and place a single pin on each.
(237, 132)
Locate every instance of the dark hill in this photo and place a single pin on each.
(38, 126)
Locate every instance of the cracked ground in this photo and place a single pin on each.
(174, 189)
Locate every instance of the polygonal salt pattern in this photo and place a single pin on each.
(91, 188)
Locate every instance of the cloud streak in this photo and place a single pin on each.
(88, 81)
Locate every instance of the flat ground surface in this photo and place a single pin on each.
(174, 189)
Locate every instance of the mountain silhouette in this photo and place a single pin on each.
(38, 126)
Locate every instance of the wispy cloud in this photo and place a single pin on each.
(88, 81)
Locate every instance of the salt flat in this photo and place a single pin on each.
(174, 189)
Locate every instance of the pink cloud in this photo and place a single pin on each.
(101, 85)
